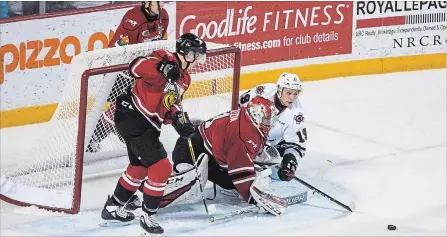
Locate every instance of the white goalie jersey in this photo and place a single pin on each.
(288, 134)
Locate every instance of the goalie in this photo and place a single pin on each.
(286, 143)
(229, 142)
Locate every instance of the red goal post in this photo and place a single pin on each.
(54, 180)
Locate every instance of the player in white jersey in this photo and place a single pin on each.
(288, 137)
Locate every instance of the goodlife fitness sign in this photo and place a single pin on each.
(271, 31)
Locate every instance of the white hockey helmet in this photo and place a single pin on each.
(261, 112)
(289, 81)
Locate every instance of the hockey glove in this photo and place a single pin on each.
(182, 125)
(268, 156)
(169, 69)
(286, 172)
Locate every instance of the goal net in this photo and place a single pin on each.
(82, 140)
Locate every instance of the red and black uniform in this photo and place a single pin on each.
(151, 94)
(232, 142)
(137, 27)
(138, 117)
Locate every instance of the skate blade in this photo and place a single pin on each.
(113, 223)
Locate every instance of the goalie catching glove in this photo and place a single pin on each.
(269, 156)
(263, 197)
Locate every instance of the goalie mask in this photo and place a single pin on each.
(288, 81)
(192, 48)
(261, 111)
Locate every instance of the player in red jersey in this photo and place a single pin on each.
(154, 100)
(231, 141)
(144, 23)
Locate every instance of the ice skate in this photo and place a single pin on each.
(150, 225)
(114, 214)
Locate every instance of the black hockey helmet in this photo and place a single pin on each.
(191, 47)
(146, 9)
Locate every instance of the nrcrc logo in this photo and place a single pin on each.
(424, 41)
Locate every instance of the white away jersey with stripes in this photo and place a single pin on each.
(289, 133)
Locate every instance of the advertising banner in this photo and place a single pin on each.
(399, 28)
(271, 31)
(35, 54)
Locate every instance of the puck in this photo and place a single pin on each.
(392, 227)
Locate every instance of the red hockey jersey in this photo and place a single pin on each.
(151, 94)
(135, 28)
(234, 142)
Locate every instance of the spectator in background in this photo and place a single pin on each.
(147, 22)
(3, 9)
(15, 8)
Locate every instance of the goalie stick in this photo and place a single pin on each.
(291, 200)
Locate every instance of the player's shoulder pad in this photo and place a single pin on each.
(162, 53)
(267, 90)
(133, 19)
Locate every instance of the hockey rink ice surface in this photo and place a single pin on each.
(386, 138)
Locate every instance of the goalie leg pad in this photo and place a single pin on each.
(260, 191)
(183, 187)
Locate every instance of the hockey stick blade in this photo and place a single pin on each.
(323, 194)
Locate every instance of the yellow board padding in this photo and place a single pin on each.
(27, 115)
(349, 68)
(43, 113)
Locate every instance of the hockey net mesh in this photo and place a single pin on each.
(50, 177)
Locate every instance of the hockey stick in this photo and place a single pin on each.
(316, 190)
(191, 150)
(291, 200)
(321, 193)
